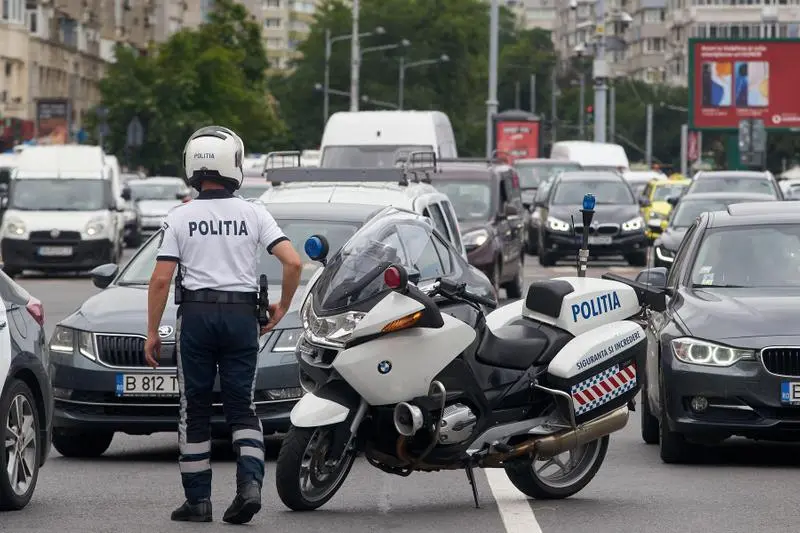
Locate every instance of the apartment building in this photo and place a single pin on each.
(724, 19)
(646, 41)
(538, 14)
(286, 24)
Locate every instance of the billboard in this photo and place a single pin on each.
(734, 79)
(52, 120)
(517, 139)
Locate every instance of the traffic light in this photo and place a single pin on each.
(589, 114)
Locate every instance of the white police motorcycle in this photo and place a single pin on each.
(536, 387)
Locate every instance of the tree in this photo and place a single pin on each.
(212, 75)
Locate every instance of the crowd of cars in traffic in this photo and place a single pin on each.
(723, 358)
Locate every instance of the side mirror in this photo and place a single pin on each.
(644, 202)
(673, 200)
(654, 277)
(103, 275)
(317, 248)
(181, 195)
(126, 194)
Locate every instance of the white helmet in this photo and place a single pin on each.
(214, 153)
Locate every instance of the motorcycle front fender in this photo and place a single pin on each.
(312, 411)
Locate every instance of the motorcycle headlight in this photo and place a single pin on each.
(699, 352)
(633, 224)
(557, 225)
(336, 328)
(665, 255)
(475, 238)
(14, 228)
(67, 340)
(95, 228)
(287, 340)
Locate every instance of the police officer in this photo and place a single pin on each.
(214, 241)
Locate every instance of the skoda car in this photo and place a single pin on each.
(735, 181)
(102, 383)
(724, 356)
(617, 228)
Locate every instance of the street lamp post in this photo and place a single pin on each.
(379, 103)
(401, 82)
(328, 46)
(491, 102)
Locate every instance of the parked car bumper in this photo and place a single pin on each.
(85, 254)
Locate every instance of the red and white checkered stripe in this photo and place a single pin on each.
(605, 387)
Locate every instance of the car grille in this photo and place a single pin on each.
(128, 351)
(62, 236)
(784, 361)
(602, 229)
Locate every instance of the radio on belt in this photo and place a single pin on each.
(263, 301)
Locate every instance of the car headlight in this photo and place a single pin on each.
(336, 328)
(14, 228)
(557, 225)
(67, 340)
(95, 228)
(699, 352)
(287, 340)
(475, 238)
(665, 255)
(633, 224)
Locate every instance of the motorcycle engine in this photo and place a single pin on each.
(457, 424)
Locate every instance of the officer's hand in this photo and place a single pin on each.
(152, 349)
(276, 313)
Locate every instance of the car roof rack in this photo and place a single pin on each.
(497, 157)
(284, 167)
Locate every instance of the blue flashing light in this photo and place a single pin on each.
(588, 202)
(314, 247)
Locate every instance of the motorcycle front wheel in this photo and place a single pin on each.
(561, 476)
(305, 475)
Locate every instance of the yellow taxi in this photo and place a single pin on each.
(656, 208)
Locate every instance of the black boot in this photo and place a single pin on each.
(245, 505)
(193, 512)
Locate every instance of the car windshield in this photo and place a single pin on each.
(663, 192)
(140, 268)
(355, 274)
(688, 210)
(733, 184)
(472, 200)
(45, 194)
(157, 191)
(367, 156)
(749, 257)
(605, 192)
(531, 176)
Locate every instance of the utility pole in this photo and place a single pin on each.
(553, 105)
(532, 107)
(517, 95)
(582, 110)
(648, 146)
(612, 114)
(491, 102)
(684, 154)
(355, 58)
(600, 74)
(327, 81)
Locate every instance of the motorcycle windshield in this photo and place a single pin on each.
(354, 275)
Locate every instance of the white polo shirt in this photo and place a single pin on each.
(218, 238)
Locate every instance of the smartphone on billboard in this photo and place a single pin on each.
(757, 84)
(742, 85)
(706, 87)
(716, 83)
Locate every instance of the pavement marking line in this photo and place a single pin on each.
(515, 509)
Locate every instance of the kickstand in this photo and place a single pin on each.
(471, 478)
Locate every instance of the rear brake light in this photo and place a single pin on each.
(36, 310)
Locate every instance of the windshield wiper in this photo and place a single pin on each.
(129, 283)
(718, 286)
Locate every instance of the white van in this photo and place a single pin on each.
(62, 213)
(370, 139)
(591, 155)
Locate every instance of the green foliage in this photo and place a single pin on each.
(212, 75)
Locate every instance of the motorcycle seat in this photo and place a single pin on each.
(514, 346)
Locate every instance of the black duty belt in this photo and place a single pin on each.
(210, 296)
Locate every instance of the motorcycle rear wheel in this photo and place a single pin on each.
(305, 477)
(532, 479)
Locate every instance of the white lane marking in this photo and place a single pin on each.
(515, 509)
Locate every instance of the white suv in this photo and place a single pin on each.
(406, 187)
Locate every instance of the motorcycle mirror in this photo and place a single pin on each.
(316, 248)
(396, 278)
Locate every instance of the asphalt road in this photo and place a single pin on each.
(740, 488)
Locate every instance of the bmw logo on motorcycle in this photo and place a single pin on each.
(384, 367)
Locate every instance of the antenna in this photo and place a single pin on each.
(587, 213)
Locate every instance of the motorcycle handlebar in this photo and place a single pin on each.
(459, 290)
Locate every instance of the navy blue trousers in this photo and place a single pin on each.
(211, 337)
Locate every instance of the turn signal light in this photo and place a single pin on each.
(402, 323)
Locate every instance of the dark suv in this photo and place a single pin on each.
(486, 197)
(617, 228)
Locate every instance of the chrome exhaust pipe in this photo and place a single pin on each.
(408, 419)
(587, 432)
